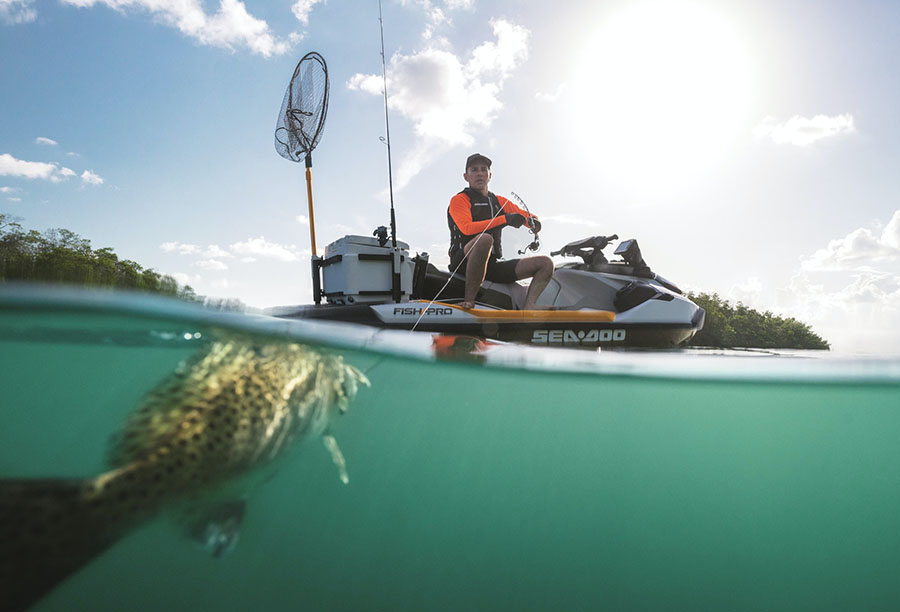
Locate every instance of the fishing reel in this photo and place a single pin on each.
(381, 232)
(536, 243)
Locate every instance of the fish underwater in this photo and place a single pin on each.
(196, 445)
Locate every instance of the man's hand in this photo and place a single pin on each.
(535, 225)
(515, 219)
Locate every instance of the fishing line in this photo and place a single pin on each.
(465, 256)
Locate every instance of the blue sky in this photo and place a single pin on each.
(751, 146)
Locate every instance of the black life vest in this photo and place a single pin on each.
(483, 208)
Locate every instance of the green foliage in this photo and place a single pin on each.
(62, 256)
(730, 326)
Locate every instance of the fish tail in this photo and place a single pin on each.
(49, 528)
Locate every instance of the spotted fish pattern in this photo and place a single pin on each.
(197, 445)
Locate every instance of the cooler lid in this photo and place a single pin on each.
(342, 244)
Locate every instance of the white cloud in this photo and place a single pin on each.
(429, 5)
(553, 96)
(872, 288)
(215, 251)
(14, 12)
(180, 247)
(500, 58)
(804, 131)
(263, 248)
(211, 264)
(9, 189)
(89, 178)
(43, 140)
(748, 294)
(10, 166)
(859, 250)
(212, 251)
(302, 219)
(14, 199)
(861, 316)
(302, 8)
(231, 26)
(449, 100)
(437, 16)
(855, 298)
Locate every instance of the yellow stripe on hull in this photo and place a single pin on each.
(604, 316)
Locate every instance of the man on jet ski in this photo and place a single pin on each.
(476, 217)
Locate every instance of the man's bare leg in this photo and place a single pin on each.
(541, 270)
(477, 251)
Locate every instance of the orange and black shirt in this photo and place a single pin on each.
(471, 213)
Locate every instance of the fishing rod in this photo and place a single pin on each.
(536, 243)
(395, 276)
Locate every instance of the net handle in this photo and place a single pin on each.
(309, 200)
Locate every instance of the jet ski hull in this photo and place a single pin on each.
(573, 328)
(594, 304)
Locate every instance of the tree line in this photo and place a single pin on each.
(62, 256)
(729, 326)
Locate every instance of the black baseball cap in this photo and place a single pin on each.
(474, 158)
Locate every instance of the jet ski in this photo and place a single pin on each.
(589, 303)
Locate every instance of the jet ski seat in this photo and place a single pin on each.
(433, 288)
(615, 267)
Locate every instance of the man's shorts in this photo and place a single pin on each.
(497, 271)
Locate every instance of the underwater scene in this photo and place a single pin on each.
(158, 456)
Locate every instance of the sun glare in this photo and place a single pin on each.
(661, 93)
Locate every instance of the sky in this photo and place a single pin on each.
(751, 146)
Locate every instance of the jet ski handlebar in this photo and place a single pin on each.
(587, 247)
(591, 252)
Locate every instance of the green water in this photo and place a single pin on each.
(536, 481)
